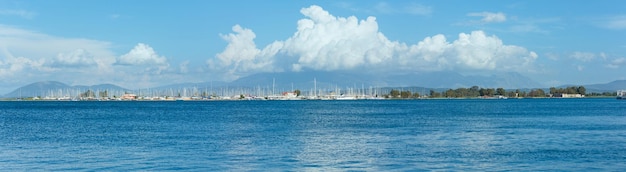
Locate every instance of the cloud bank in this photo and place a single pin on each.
(76, 58)
(326, 42)
(77, 61)
(53, 54)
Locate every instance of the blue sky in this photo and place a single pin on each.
(139, 44)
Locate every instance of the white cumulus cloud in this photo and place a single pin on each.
(479, 51)
(241, 54)
(76, 58)
(326, 42)
(489, 17)
(474, 51)
(142, 54)
(11, 65)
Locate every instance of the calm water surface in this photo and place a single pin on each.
(525, 134)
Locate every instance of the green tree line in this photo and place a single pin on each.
(476, 91)
(405, 94)
(473, 91)
(568, 90)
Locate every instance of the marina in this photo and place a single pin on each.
(203, 93)
(259, 93)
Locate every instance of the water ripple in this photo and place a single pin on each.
(442, 135)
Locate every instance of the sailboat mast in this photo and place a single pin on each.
(315, 87)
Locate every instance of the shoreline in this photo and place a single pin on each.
(302, 99)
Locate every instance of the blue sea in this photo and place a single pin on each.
(373, 135)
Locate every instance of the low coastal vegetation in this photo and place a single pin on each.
(478, 92)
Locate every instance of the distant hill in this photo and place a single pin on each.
(599, 88)
(509, 80)
(37, 88)
(347, 79)
(608, 87)
(54, 87)
(100, 87)
(200, 85)
(304, 80)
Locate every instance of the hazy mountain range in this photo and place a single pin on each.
(348, 79)
(332, 80)
(46, 87)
